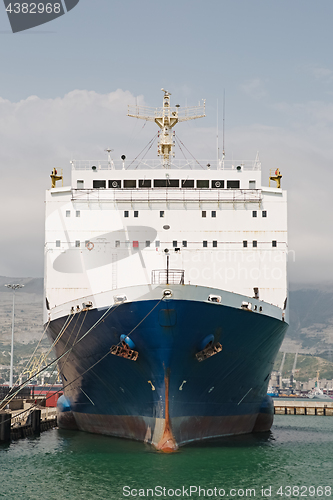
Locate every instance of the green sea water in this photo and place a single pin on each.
(294, 460)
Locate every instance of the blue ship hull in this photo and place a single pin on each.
(166, 396)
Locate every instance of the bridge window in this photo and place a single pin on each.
(144, 183)
(254, 213)
(274, 243)
(205, 244)
(117, 243)
(58, 243)
(188, 183)
(233, 184)
(203, 213)
(174, 243)
(98, 184)
(147, 243)
(184, 243)
(77, 243)
(136, 213)
(252, 184)
(254, 244)
(264, 213)
(126, 213)
(244, 244)
(80, 184)
(78, 214)
(215, 244)
(68, 213)
(165, 183)
(157, 244)
(161, 213)
(213, 213)
(203, 184)
(130, 183)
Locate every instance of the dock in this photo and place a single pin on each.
(32, 421)
(294, 406)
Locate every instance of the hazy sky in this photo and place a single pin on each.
(65, 86)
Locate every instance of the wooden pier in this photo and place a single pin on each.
(284, 406)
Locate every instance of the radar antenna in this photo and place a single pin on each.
(166, 118)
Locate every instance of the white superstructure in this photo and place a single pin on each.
(121, 224)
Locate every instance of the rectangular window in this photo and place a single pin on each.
(202, 184)
(264, 213)
(136, 213)
(254, 213)
(233, 184)
(114, 184)
(144, 183)
(117, 243)
(184, 243)
(78, 214)
(157, 244)
(58, 243)
(147, 243)
(77, 243)
(127, 243)
(166, 183)
(214, 244)
(174, 243)
(213, 213)
(252, 184)
(130, 183)
(203, 213)
(161, 213)
(98, 184)
(80, 184)
(68, 213)
(205, 244)
(126, 213)
(274, 243)
(217, 184)
(254, 244)
(135, 244)
(244, 244)
(173, 183)
(188, 183)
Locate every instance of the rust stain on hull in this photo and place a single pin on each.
(167, 443)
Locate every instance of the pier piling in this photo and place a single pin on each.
(5, 426)
(35, 421)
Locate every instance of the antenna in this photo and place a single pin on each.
(217, 132)
(223, 153)
(166, 118)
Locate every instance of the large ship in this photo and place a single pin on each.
(166, 291)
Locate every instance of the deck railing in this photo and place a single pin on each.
(169, 195)
(167, 277)
(188, 164)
